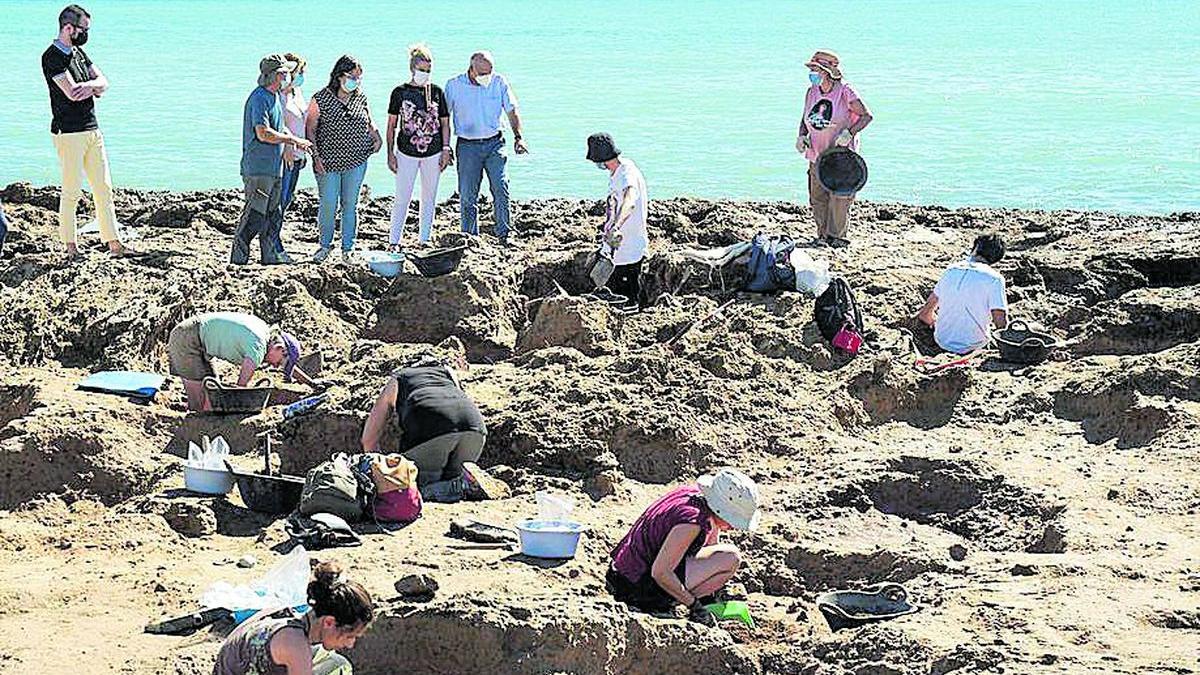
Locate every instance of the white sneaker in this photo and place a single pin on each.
(321, 255)
(349, 257)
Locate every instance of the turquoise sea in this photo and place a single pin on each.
(1069, 104)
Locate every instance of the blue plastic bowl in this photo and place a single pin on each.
(384, 263)
(550, 538)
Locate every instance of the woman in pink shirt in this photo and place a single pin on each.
(672, 554)
(295, 111)
(833, 115)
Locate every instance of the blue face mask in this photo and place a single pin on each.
(299, 81)
(350, 84)
(815, 78)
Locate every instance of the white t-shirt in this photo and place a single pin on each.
(295, 114)
(967, 293)
(634, 239)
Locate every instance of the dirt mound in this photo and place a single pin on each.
(570, 322)
(539, 635)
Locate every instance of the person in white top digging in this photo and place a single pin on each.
(968, 299)
(624, 235)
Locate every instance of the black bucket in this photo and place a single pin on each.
(438, 262)
(1020, 344)
(842, 171)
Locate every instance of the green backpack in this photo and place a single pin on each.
(332, 487)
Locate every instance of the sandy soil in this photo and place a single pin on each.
(1069, 489)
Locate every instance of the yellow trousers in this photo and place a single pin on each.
(83, 153)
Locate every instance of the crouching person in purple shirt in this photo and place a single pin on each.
(672, 554)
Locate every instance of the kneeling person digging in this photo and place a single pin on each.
(241, 339)
(442, 431)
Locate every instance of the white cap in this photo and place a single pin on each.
(733, 496)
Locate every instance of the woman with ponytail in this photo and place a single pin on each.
(286, 643)
(418, 141)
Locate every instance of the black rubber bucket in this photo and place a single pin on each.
(842, 171)
(438, 262)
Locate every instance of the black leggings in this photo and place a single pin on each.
(625, 281)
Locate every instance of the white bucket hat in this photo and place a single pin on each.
(733, 496)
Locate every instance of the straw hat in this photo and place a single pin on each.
(733, 496)
(827, 61)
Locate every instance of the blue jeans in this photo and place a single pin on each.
(343, 187)
(475, 157)
(290, 179)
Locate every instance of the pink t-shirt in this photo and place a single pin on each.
(825, 115)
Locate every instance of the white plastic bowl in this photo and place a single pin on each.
(550, 538)
(384, 263)
(207, 481)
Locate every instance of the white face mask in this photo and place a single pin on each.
(483, 80)
(420, 77)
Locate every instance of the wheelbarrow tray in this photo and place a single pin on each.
(269, 494)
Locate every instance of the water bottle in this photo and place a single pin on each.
(303, 405)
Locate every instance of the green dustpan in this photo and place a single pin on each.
(731, 610)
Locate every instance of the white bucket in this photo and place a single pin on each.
(207, 481)
(550, 538)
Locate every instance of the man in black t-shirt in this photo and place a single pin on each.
(75, 83)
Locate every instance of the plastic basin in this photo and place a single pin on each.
(550, 538)
(207, 481)
(384, 263)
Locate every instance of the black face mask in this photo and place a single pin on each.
(81, 36)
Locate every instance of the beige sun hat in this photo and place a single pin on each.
(827, 61)
(733, 496)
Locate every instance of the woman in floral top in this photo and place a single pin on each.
(418, 139)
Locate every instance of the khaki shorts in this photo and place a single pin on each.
(186, 352)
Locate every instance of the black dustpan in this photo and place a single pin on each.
(846, 609)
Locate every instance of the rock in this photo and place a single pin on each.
(247, 561)
(417, 587)
(1053, 540)
(191, 519)
(604, 484)
(958, 553)
(1020, 570)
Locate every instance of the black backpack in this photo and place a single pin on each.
(835, 308)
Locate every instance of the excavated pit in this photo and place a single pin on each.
(611, 409)
(962, 498)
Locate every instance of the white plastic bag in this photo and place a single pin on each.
(554, 507)
(284, 585)
(211, 456)
(812, 276)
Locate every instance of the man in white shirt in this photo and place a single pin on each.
(968, 299)
(623, 236)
